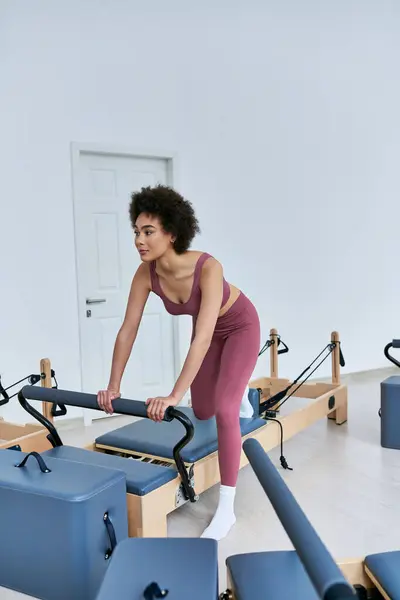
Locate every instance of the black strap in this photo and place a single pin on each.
(111, 535)
(43, 467)
(270, 343)
(32, 380)
(154, 591)
(283, 396)
(58, 412)
(3, 392)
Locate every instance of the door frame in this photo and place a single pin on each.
(79, 148)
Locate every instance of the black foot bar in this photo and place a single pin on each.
(122, 406)
(392, 344)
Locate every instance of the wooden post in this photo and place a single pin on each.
(340, 414)
(273, 352)
(45, 371)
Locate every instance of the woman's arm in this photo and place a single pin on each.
(211, 285)
(139, 292)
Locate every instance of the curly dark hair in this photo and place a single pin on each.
(175, 213)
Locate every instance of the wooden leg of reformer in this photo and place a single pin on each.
(45, 370)
(354, 571)
(229, 586)
(378, 586)
(144, 519)
(340, 414)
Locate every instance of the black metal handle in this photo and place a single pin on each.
(111, 535)
(392, 344)
(60, 411)
(53, 436)
(188, 489)
(43, 467)
(282, 350)
(154, 591)
(270, 342)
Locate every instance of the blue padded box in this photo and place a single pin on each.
(59, 525)
(158, 439)
(390, 412)
(141, 477)
(275, 575)
(186, 567)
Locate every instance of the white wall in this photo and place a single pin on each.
(285, 116)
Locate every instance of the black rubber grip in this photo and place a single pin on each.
(396, 343)
(322, 570)
(43, 467)
(111, 535)
(122, 406)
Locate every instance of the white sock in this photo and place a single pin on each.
(224, 517)
(246, 409)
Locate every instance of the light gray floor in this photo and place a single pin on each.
(347, 484)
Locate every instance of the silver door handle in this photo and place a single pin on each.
(95, 300)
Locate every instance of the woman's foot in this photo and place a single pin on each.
(224, 517)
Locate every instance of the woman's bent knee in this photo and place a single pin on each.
(203, 412)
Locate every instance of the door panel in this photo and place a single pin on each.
(106, 262)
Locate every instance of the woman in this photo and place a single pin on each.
(226, 330)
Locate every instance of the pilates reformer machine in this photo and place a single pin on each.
(172, 462)
(307, 572)
(30, 436)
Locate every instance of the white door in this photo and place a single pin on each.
(106, 262)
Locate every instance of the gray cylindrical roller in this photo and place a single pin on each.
(122, 406)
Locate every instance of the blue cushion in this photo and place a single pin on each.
(277, 575)
(158, 439)
(186, 567)
(385, 567)
(141, 477)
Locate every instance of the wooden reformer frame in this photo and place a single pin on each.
(29, 437)
(148, 514)
(357, 573)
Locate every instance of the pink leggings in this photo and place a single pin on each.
(222, 380)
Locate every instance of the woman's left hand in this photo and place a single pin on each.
(157, 406)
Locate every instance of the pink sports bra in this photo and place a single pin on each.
(192, 306)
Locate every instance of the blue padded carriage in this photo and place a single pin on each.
(184, 567)
(141, 477)
(158, 439)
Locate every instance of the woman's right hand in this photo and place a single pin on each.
(105, 398)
